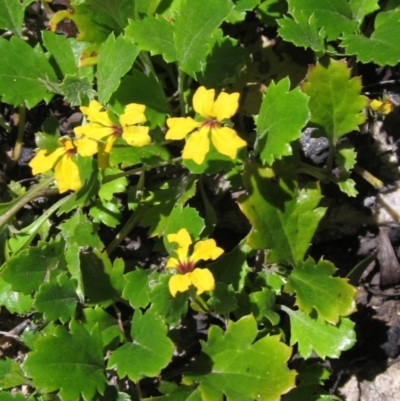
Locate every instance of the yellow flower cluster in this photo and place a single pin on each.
(98, 136)
(185, 265)
(100, 133)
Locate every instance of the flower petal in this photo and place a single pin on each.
(43, 162)
(93, 113)
(179, 283)
(94, 130)
(197, 146)
(136, 135)
(182, 238)
(204, 250)
(86, 146)
(67, 175)
(203, 102)
(172, 263)
(227, 141)
(202, 279)
(225, 106)
(133, 114)
(179, 127)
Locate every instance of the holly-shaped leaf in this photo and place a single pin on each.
(11, 16)
(335, 101)
(345, 160)
(303, 31)
(109, 188)
(380, 47)
(194, 26)
(276, 127)
(361, 8)
(75, 88)
(136, 290)
(315, 288)
(21, 69)
(57, 300)
(150, 349)
(69, 361)
(315, 334)
(37, 263)
(106, 212)
(15, 302)
(109, 73)
(283, 218)
(335, 16)
(253, 370)
(154, 34)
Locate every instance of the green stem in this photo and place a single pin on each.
(375, 182)
(181, 89)
(125, 230)
(147, 64)
(200, 301)
(316, 172)
(140, 170)
(20, 135)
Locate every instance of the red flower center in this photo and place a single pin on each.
(185, 266)
(117, 131)
(211, 124)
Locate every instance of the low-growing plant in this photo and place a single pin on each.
(169, 258)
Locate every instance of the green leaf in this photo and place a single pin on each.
(380, 47)
(11, 16)
(115, 186)
(308, 331)
(283, 218)
(57, 300)
(98, 318)
(242, 369)
(224, 62)
(61, 53)
(335, 101)
(335, 16)
(75, 88)
(276, 127)
(37, 263)
(232, 268)
(269, 11)
(80, 231)
(175, 392)
(194, 26)
(103, 282)
(15, 302)
(303, 31)
(106, 212)
(262, 303)
(74, 267)
(150, 349)
(142, 89)
(71, 362)
(169, 309)
(109, 73)
(223, 300)
(136, 290)
(345, 160)
(153, 34)
(7, 396)
(21, 69)
(11, 374)
(361, 8)
(315, 288)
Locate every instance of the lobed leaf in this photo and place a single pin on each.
(276, 126)
(13, 301)
(235, 365)
(308, 331)
(283, 218)
(68, 361)
(136, 290)
(361, 8)
(21, 69)
(335, 101)
(380, 47)
(194, 26)
(315, 288)
(150, 349)
(11, 16)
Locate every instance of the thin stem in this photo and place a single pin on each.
(21, 131)
(316, 172)
(140, 169)
(371, 179)
(148, 65)
(200, 301)
(181, 88)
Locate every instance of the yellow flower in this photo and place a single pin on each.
(66, 171)
(381, 107)
(213, 113)
(188, 273)
(102, 128)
